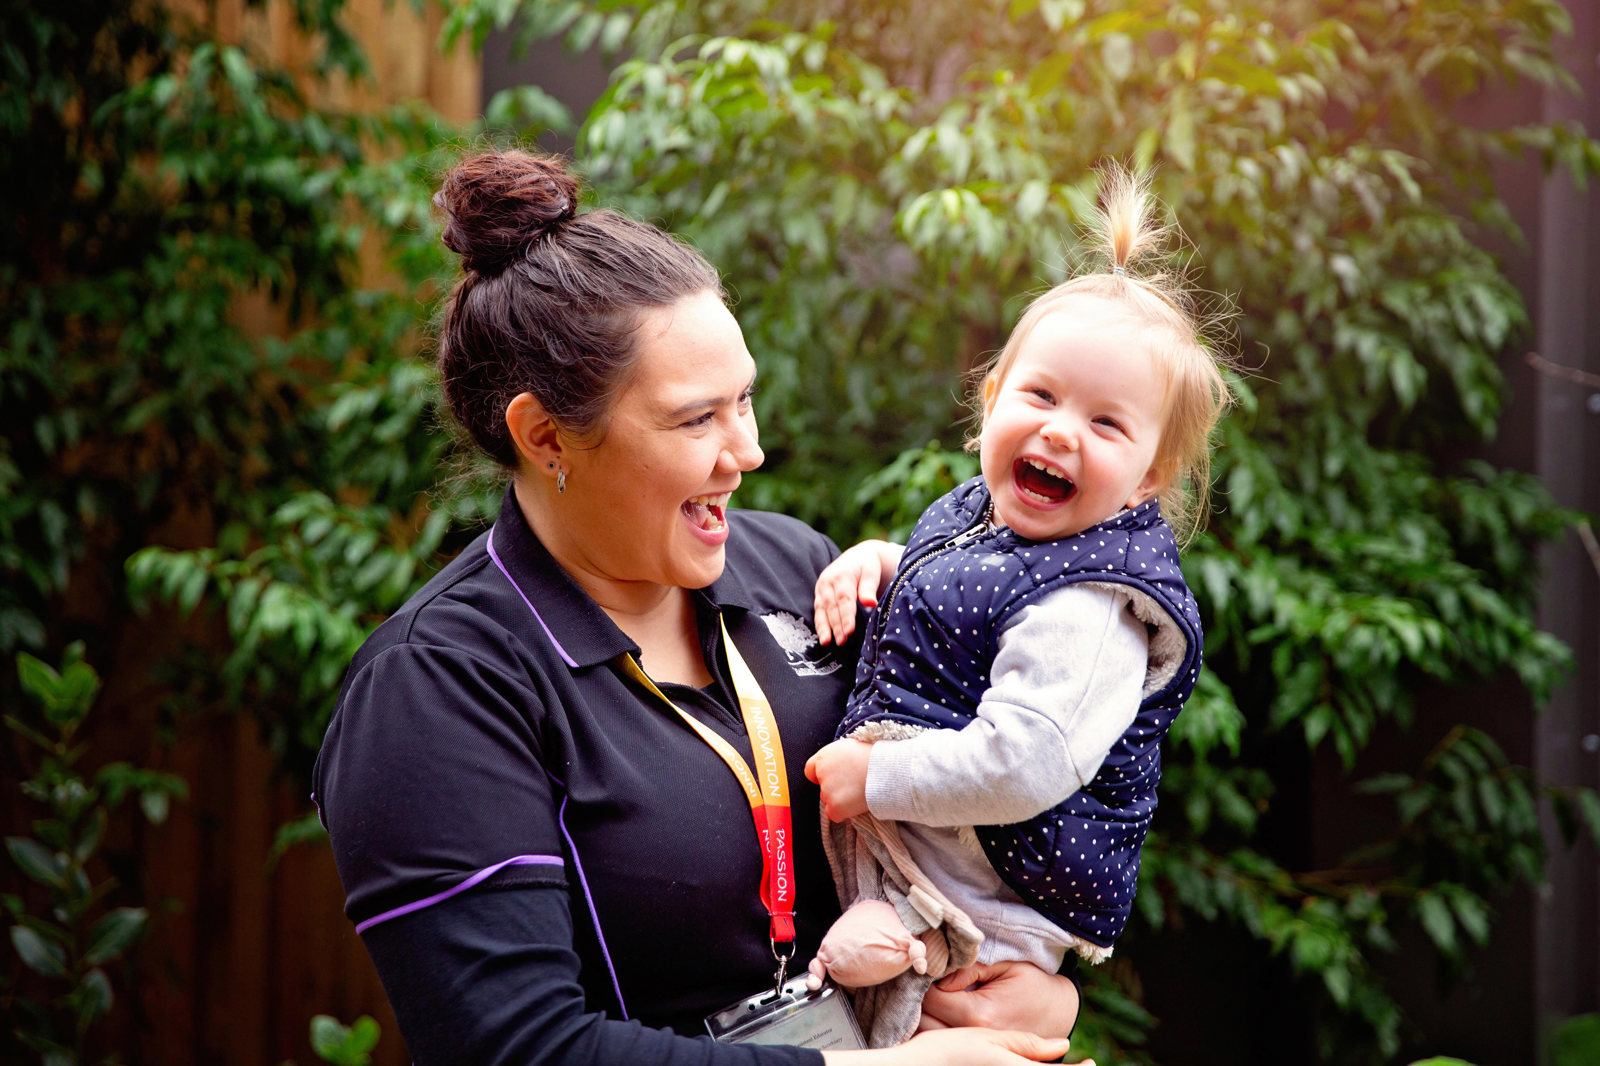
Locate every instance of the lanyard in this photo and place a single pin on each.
(766, 791)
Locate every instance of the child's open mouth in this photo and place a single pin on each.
(1040, 483)
(708, 512)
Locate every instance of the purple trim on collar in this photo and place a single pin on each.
(594, 914)
(496, 557)
(475, 879)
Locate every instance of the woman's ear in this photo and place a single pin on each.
(534, 434)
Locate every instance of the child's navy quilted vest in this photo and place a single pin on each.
(926, 659)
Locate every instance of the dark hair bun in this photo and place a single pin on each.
(498, 203)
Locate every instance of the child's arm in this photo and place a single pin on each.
(861, 573)
(1065, 685)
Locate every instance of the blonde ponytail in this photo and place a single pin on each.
(1126, 223)
(1128, 231)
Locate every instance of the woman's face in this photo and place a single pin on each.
(647, 503)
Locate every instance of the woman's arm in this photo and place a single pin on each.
(489, 978)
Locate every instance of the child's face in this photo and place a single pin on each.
(1083, 399)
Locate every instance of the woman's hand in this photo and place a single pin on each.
(840, 771)
(959, 1047)
(982, 1047)
(860, 574)
(1003, 995)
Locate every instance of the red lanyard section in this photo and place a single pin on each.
(766, 789)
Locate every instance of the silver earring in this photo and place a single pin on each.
(561, 481)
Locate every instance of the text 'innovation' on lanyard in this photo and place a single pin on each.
(766, 791)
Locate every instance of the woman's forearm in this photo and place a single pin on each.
(489, 979)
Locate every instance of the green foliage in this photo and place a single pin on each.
(886, 184)
(195, 348)
(883, 184)
(65, 932)
(192, 348)
(1575, 1041)
(344, 1045)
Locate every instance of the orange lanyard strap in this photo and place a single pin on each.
(766, 789)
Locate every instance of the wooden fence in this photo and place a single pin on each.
(243, 955)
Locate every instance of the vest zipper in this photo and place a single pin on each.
(967, 535)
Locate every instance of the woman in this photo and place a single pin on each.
(523, 784)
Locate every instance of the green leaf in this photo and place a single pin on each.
(1589, 808)
(155, 804)
(94, 997)
(66, 696)
(303, 830)
(1437, 921)
(89, 838)
(37, 678)
(1116, 52)
(37, 953)
(112, 934)
(1048, 74)
(328, 1036)
(1179, 141)
(1576, 1041)
(344, 1046)
(1473, 914)
(38, 862)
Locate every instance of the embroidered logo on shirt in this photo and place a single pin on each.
(799, 642)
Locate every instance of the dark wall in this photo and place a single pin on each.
(1543, 963)
(1566, 302)
(575, 80)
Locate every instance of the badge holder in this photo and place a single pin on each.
(791, 1013)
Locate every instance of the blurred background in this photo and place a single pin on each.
(222, 460)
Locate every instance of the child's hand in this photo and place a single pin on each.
(840, 769)
(860, 574)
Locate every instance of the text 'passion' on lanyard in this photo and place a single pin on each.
(766, 789)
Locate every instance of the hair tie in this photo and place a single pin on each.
(1119, 272)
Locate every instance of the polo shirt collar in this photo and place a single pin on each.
(582, 632)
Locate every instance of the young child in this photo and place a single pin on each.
(1033, 646)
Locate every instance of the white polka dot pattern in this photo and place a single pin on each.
(925, 660)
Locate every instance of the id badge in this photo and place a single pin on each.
(792, 1015)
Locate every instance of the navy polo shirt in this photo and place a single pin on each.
(532, 848)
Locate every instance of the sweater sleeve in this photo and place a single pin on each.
(490, 979)
(1065, 684)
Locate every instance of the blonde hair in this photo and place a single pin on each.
(1163, 308)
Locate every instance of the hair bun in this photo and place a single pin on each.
(499, 203)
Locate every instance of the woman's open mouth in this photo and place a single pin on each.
(1041, 484)
(707, 513)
